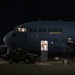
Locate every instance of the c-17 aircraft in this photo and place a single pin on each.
(44, 38)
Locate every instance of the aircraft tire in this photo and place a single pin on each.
(26, 61)
(16, 61)
(10, 61)
(32, 61)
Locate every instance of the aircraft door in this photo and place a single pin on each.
(44, 50)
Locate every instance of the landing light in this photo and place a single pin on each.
(56, 58)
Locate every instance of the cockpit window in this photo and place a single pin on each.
(22, 29)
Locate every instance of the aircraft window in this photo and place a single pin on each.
(22, 29)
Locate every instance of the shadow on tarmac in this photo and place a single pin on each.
(39, 68)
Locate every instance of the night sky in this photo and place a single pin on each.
(13, 13)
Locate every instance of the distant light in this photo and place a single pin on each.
(52, 42)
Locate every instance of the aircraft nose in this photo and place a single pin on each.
(7, 38)
(10, 38)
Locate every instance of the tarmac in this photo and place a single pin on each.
(39, 68)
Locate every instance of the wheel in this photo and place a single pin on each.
(26, 61)
(10, 60)
(16, 61)
(32, 61)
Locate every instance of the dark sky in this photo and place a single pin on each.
(13, 13)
